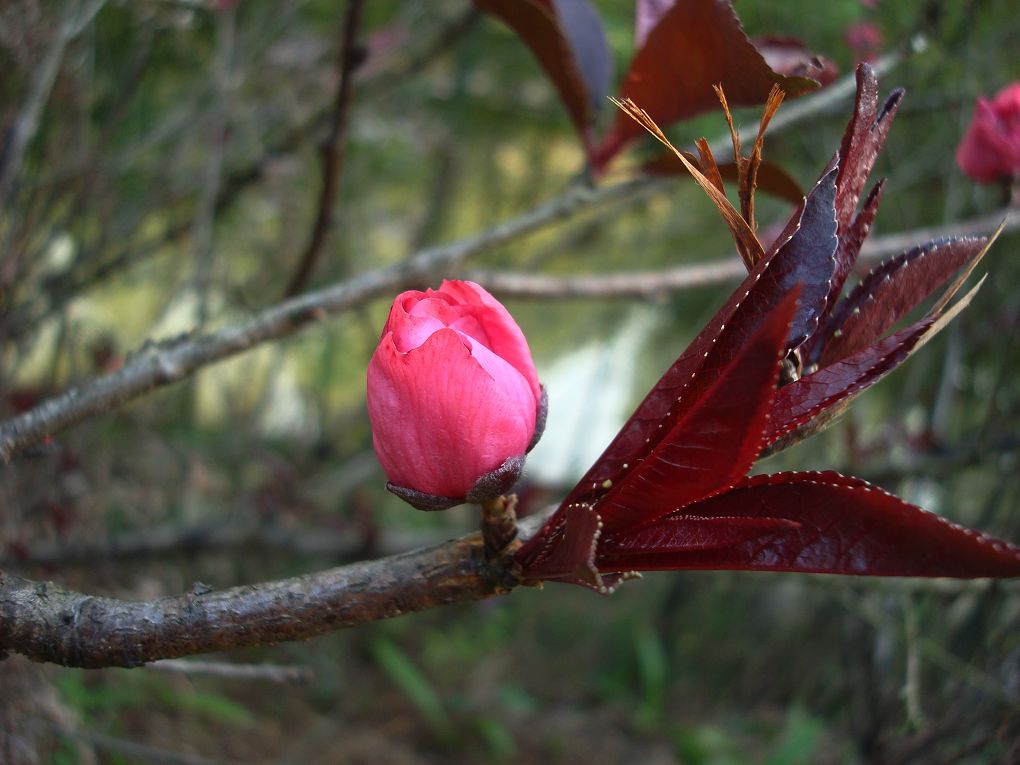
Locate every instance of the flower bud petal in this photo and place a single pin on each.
(501, 333)
(445, 412)
(990, 149)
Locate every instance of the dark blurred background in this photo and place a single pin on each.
(172, 184)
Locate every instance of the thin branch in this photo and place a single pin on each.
(449, 34)
(273, 673)
(638, 284)
(136, 751)
(203, 226)
(26, 125)
(893, 244)
(62, 288)
(333, 149)
(158, 365)
(656, 284)
(172, 539)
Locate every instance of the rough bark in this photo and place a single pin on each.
(47, 622)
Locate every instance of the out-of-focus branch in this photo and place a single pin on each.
(64, 287)
(162, 364)
(273, 673)
(135, 751)
(204, 223)
(147, 543)
(880, 247)
(638, 284)
(653, 284)
(448, 35)
(158, 365)
(27, 123)
(333, 150)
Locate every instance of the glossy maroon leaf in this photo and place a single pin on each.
(646, 15)
(851, 240)
(808, 258)
(833, 525)
(802, 260)
(696, 44)
(802, 400)
(567, 39)
(798, 404)
(583, 28)
(862, 141)
(772, 179)
(565, 547)
(891, 290)
(763, 289)
(667, 492)
(718, 440)
(710, 448)
(788, 56)
(847, 250)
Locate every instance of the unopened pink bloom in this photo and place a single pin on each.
(452, 390)
(865, 39)
(990, 149)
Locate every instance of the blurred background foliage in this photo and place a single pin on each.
(172, 185)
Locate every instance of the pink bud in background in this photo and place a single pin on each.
(990, 150)
(453, 396)
(865, 40)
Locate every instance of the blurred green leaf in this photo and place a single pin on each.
(800, 739)
(653, 671)
(497, 737)
(406, 676)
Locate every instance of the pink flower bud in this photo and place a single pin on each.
(453, 396)
(865, 40)
(990, 150)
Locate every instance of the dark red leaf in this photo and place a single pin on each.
(769, 282)
(788, 56)
(565, 546)
(583, 28)
(807, 258)
(646, 15)
(689, 458)
(861, 144)
(849, 248)
(718, 440)
(812, 522)
(567, 38)
(695, 45)
(800, 403)
(891, 290)
(772, 179)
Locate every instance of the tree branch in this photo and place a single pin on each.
(637, 284)
(204, 223)
(157, 365)
(333, 150)
(160, 364)
(173, 539)
(46, 622)
(654, 284)
(274, 673)
(27, 123)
